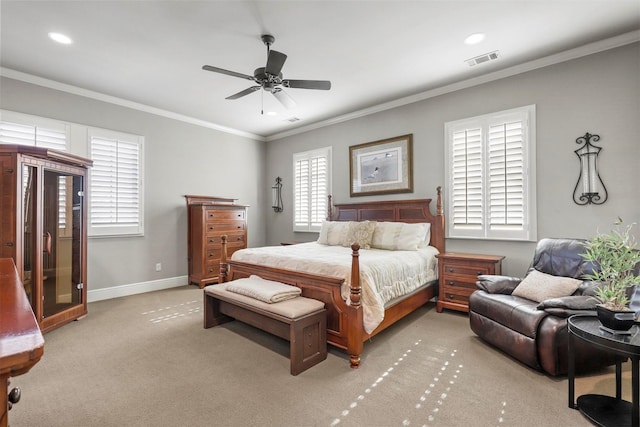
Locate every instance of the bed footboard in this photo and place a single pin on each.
(345, 328)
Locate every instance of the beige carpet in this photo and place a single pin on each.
(146, 360)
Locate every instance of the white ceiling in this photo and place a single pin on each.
(374, 52)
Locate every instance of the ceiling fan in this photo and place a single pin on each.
(270, 78)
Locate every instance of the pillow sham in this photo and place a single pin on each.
(360, 233)
(538, 286)
(333, 233)
(399, 236)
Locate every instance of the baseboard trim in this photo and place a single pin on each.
(94, 295)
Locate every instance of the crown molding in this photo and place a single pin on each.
(588, 49)
(52, 84)
(568, 55)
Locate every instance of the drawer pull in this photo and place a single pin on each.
(211, 227)
(478, 273)
(450, 270)
(451, 296)
(451, 283)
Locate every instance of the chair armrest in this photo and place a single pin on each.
(568, 306)
(495, 284)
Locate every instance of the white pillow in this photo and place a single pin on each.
(333, 233)
(360, 233)
(539, 286)
(399, 236)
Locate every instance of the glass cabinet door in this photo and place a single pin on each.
(30, 232)
(61, 242)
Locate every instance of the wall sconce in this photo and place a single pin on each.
(589, 180)
(276, 195)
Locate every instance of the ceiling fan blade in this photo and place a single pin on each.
(275, 61)
(284, 98)
(244, 92)
(227, 72)
(307, 84)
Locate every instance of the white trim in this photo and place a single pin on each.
(39, 81)
(94, 295)
(588, 49)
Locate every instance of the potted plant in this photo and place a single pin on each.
(616, 259)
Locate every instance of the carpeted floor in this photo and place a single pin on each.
(145, 360)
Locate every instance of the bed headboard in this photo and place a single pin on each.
(395, 211)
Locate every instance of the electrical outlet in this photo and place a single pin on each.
(158, 266)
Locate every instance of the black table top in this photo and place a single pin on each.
(588, 328)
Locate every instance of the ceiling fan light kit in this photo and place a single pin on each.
(270, 77)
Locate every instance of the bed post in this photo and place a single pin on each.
(329, 210)
(355, 334)
(223, 259)
(437, 236)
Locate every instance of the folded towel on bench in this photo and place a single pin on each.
(263, 290)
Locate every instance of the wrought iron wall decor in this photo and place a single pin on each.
(589, 189)
(276, 195)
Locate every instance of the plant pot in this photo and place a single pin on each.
(617, 320)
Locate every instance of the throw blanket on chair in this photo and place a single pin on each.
(263, 290)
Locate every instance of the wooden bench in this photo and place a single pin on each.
(302, 321)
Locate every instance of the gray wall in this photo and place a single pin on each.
(599, 93)
(179, 159)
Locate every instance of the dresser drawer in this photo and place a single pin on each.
(226, 214)
(232, 238)
(217, 228)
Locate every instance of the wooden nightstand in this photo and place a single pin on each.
(458, 275)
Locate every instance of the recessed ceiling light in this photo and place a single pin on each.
(60, 38)
(272, 113)
(474, 38)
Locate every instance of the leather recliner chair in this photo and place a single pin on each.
(535, 333)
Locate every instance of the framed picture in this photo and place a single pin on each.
(382, 167)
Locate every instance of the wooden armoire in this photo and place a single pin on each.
(43, 227)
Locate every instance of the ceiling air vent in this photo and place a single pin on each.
(482, 58)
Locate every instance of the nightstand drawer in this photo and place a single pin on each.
(466, 270)
(469, 283)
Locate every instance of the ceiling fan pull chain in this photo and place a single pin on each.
(262, 103)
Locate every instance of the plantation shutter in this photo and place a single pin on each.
(491, 176)
(506, 175)
(115, 202)
(32, 135)
(466, 196)
(54, 136)
(311, 188)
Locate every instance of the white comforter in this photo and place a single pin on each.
(384, 275)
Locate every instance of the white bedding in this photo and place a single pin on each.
(384, 275)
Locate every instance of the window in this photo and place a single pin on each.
(312, 185)
(490, 170)
(115, 180)
(16, 128)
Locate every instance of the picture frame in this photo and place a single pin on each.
(381, 167)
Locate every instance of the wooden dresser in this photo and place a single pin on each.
(458, 274)
(209, 218)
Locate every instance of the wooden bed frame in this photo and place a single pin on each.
(345, 328)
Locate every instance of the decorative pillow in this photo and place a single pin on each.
(360, 233)
(400, 236)
(538, 286)
(333, 233)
